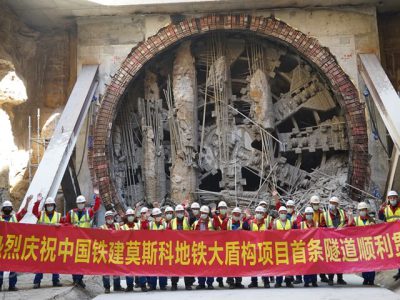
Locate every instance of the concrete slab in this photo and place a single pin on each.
(323, 292)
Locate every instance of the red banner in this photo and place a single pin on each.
(70, 250)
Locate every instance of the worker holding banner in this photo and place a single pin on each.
(308, 223)
(7, 215)
(203, 224)
(111, 225)
(82, 217)
(390, 212)
(158, 224)
(180, 222)
(48, 216)
(335, 217)
(219, 216)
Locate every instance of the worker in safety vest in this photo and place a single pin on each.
(168, 215)
(143, 221)
(220, 215)
(390, 212)
(48, 216)
(282, 223)
(7, 215)
(335, 217)
(259, 223)
(204, 224)
(82, 217)
(111, 225)
(234, 222)
(194, 213)
(158, 224)
(180, 222)
(363, 219)
(309, 223)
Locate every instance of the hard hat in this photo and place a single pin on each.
(169, 209)
(237, 210)
(80, 199)
(109, 213)
(129, 212)
(334, 199)
(392, 193)
(362, 205)
(260, 209)
(156, 211)
(195, 205)
(290, 203)
(282, 208)
(315, 199)
(205, 209)
(49, 200)
(222, 204)
(262, 202)
(144, 210)
(179, 207)
(6, 204)
(309, 210)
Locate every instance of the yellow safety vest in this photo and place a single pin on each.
(153, 225)
(83, 222)
(257, 227)
(126, 227)
(12, 220)
(280, 226)
(317, 216)
(359, 222)
(328, 219)
(303, 225)
(185, 223)
(210, 225)
(229, 225)
(44, 218)
(116, 227)
(390, 216)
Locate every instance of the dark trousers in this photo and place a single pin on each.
(116, 281)
(369, 276)
(288, 279)
(162, 281)
(39, 276)
(12, 279)
(310, 278)
(188, 280)
(76, 278)
(234, 280)
(265, 279)
(203, 280)
(331, 276)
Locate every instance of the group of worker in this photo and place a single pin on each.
(196, 217)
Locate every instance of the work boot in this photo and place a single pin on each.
(278, 285)
(188, 287)
(163, 288)
(272, 279)
(143, 288)
(371, 283)
(365, 282)
(129, 288)
(137, 286)
(174, 287)
(231, 286)
(200, 287)
(289, 285)
(221, 284)
(330, 282)
(36, 285)
(12, 289)
(210, 287)
(266, 285)
(314, 284)
(397, 276)
(253, 285)
(341, 282)
(152, 288)
(57, 284)
(118, 289)
(297, 281)
(324, 278)
(239, 286)
(106, 290)
(80, 284)
(306, 285)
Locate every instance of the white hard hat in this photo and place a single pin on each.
(237, 210)
(195, 205)
(362, 205)
(80, 199)
(309, 210)
(49, 200)
(144, 210)
(290, 203)
(109, 213)
(222, 204)
(282, 208)
(262, 202)
(6, 204)
(130, 211)
(179, 207)
(156, 211)
(260, 209)
(169, 209)
(334, 199)
(205, 209)
(392, 193)
(315, 199)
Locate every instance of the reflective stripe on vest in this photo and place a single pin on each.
(390, 216)
(303, 225)
(44, 218)
(256, 227)
(185, 224)
(229, 225)
(13, 219)
(328, 219)
(153, 226)
(210, 225)
(280, 226)
(116, 226)
(127, 227)
(83, 222)
(359, 222)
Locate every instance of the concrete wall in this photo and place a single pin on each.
(346, 32)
